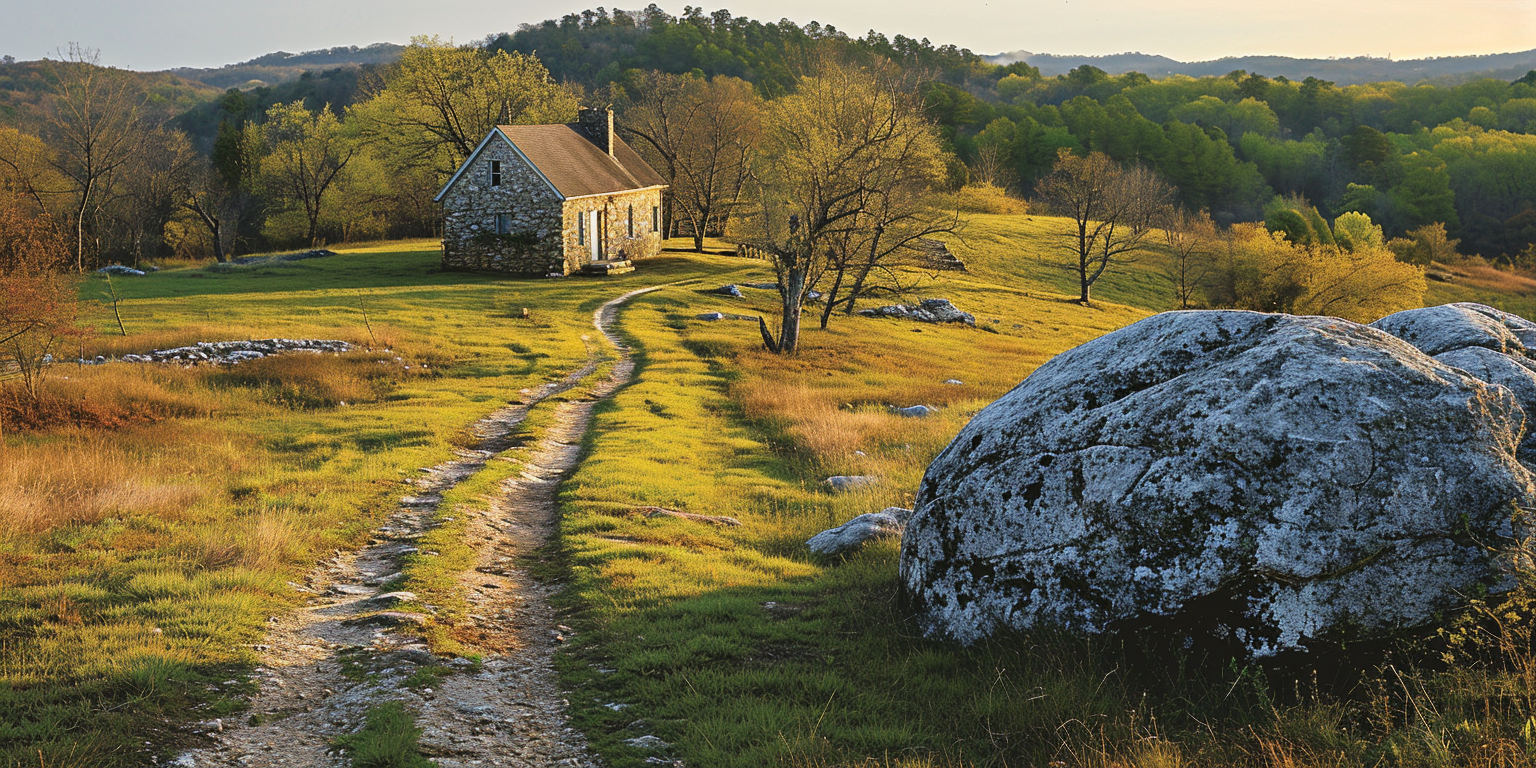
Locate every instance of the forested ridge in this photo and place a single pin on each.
(1240, 145)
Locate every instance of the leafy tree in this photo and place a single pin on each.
(435, 105)
(304, 155)
(1354, 231)
(1264, 271)
(39, 306)
(1425, 245)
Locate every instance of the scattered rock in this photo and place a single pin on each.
(728, 522)
(395, 598)
(712, 316)
(1266, 480)
(118, 269)
(647, 742)
(231, 352)
(953, 382)
(392, 619)
(852, 534)
(926, 311)
(729, 290)
(850, 482)
(915, 412)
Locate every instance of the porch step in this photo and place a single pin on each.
(610, 267)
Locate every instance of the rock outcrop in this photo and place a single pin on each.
(925, 311)
(1270, 479)
(227, 352)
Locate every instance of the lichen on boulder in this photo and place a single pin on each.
(1272, 479)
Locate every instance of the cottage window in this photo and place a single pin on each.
(631, 221)
(655, 218)
(581, 229)
(495, 173)
(503, 223)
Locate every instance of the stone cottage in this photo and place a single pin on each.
(549, 200)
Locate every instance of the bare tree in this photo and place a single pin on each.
(1112, 210)
(831, 150)
(889, 238)
(991, 167)
(92, 123)
(1192, 239)
(700, 134)
(157, 182)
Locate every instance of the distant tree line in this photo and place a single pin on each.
(211, 176)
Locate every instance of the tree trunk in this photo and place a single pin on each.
(830, 300)
(792, 299)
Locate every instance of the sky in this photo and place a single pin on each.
(158, 34)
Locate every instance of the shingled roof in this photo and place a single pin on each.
(575, 165)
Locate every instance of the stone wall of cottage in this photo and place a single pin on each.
(535, 245)
(646, 240)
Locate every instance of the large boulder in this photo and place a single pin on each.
(1270, 479)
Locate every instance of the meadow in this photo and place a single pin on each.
(154, 517)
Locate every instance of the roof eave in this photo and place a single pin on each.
(438, 198)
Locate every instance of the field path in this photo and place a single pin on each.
(352, 646)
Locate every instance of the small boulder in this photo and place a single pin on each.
(118, 269)
(915, 412)
(395, 598)
(954, 382)
(841, 483)
(851, 535)
(712, 316)
(729, 290)
(647, 742)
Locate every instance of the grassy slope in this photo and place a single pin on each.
(739, 648)
(111, 621)
(735, 644)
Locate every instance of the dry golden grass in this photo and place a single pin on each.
(821, 423)
(82, 479)
(266, 540)
(105, 397)
(1489, 277)
(309, 380)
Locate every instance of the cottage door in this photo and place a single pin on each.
(594, 236)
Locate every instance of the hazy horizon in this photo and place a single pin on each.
(162, 34)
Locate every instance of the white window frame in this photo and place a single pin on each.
(495, 173)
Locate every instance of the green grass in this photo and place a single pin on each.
(121, 624)
(739, 648)
(387, 740)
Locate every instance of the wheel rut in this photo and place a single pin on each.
(354, 645)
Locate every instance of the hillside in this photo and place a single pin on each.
(281, 67)
(1346, 71)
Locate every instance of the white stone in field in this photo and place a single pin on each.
(850, 482)
(915, 412)
(1268, 479)
(851, 535)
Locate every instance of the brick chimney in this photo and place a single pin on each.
(598, 123)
